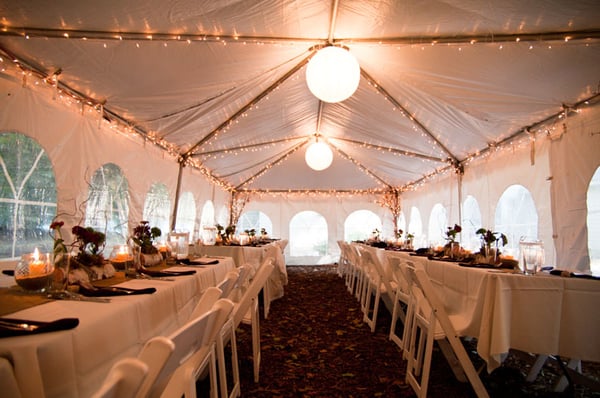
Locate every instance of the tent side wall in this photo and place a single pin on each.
(78, 143)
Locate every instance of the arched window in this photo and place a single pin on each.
(360, 224)
(256, 220)
(186, 214)
(593, 222)
(415, 227)
(207, 218)
(108, 205)
(402, 223)
(470, 223)
(516, 217)
(157, 207)
(438, 224)
(27, 196)
(308, 234)
(223, 216)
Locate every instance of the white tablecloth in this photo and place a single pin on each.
(73, 363)
(255, 256)
(541, 314)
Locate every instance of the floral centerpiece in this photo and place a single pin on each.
(451, 234)
(90, 244)
(489, 239)
(145, 251)
(452, 247)
(144, 236)
(81, 259)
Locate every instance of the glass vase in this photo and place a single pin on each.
(60, 274)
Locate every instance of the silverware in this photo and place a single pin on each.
(156, 278)
(76, 297)
(18, 326)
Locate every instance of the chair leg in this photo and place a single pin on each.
(256, 341)
(228, 334)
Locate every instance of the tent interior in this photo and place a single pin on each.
(195, 113)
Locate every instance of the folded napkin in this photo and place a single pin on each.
(166, 272)
(105, 291)
(198, 261)
(10, 327)
(480, 265)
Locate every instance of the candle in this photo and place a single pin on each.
(36, 265)
(122, 255)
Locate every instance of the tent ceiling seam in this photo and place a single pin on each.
(251, 103)
(66, 34)
(381, 90)
(273, 163)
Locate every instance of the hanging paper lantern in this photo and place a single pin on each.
(333, 74)
(318, 156)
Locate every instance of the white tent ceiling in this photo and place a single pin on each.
(222, 83)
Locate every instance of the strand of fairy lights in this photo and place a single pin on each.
(129, 129)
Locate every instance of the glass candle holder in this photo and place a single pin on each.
(34, 271)
(121, 257)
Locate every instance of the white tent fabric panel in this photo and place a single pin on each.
(79, 144)
(575, 154)
(441, 79)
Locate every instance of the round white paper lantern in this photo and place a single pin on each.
(332, 74)
(318, 156)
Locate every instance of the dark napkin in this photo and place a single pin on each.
(166, 273)
(483, 265)
(9, 327)
(447, 259)
(198, 261)
(105, 291)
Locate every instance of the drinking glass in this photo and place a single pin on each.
(532, 255)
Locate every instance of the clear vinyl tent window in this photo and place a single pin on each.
(186, 214)
(438, 223)
(415, 227)
(360, 224)
(593, 222)
(207, 217)
(27, 196)
(516, 217)
(308, 234)
(256, 220)
(107, 207)
(402, 223)
(157, 207)
(470, 223)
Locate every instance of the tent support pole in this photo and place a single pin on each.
(177, 193)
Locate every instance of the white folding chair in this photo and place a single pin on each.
(246, 310)
(185, 342)
(123, 380)
(432, 323)
(183, 380)
(377, 284)
(402, 310)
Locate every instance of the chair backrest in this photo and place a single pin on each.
(398, 270)
(241, 283)
(255, 286)
(154, 354)
(228, 284)
(370, 259)
(181, 382)
(206, 302)
(123, 380)
(186, 340)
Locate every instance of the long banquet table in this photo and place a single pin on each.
(254, 256)
(73, 363)
(541, 314)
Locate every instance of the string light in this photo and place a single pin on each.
(118, 124)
